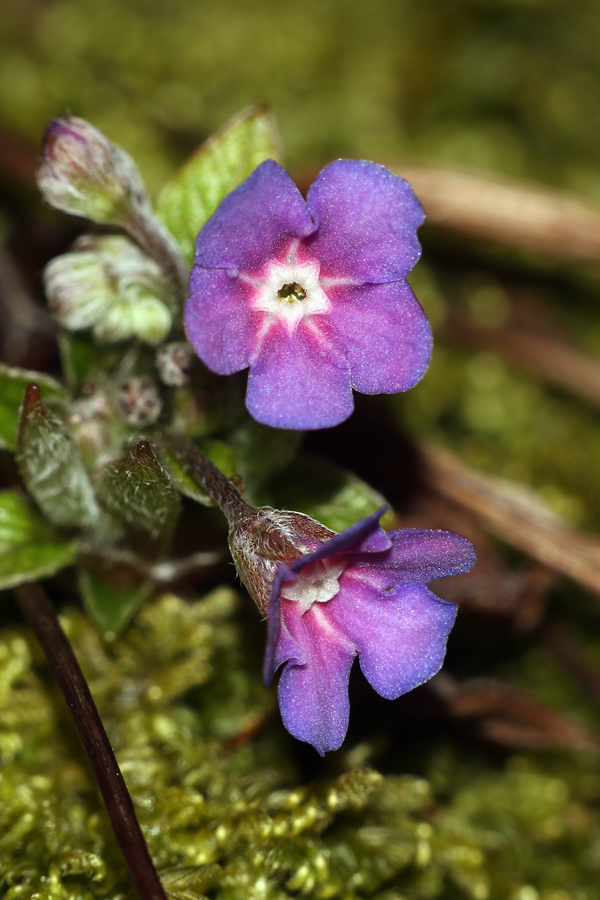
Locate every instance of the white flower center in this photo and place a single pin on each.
(288, 290)
(318, 583)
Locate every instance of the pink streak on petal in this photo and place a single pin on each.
(219, 322)
(401, 637)
(298, 382)
(385, 334)
(254, 221)
(313, 697)
(367, 220)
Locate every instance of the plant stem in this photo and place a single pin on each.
(225, 494)
(39, 613)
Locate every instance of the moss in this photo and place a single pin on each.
(225, 813)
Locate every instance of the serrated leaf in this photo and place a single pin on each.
(109, 602)
(215, 169)
(328, 493)
(29, 548)
(13, 382)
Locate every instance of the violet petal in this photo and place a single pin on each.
(313, 697)
(298, 383)
(401, 638)
(219, 323)
(420, 555)
(367, 220)
(254, 221)
(386, 336)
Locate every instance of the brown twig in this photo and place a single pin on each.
(504, 211)
(546, 355)
(40, 615)
(514, 515)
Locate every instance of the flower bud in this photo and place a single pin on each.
(112, 285)
(139, 490)
(174, 364)
(51, 467)
(269, 537)
(84, 174)
(139, 401)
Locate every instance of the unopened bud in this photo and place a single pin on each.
(51, 467)
(84, 174)
(267, 538)
(139, 401)
(174, 364)
(139, 490)
(112, 285)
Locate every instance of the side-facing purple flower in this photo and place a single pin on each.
(331, 597)
(311, 295)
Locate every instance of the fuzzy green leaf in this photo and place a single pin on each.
(216, 168)
(29, 548)
(13, 382)
(110, 603)
(332, 495)
(261, 454)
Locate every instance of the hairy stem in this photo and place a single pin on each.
(40, 614)
(233, 505)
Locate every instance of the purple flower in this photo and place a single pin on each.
(311, 296)
(359, 593)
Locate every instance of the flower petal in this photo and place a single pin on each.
(313, 696)
(298, 383)
(253, 221)
(385, 334)
(420, 555)
(401, 638)
(219, 322)
(367, 221)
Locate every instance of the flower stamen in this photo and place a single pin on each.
(289, 293)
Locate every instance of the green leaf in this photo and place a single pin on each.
(215, 169)
(262, 453)
(332, 495)
(12, 387)
(29, 548)
(112, 599)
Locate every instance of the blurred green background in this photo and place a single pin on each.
(508, 85)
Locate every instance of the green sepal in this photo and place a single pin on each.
(328, 493)
(51, 466)
(112, 598)
(29, 548)
(215, 169)
(13, 382)
(139, 490)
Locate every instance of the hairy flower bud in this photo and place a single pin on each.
(174, 364)
(112, 285)
(51, 466)
(268, 538)
(84, 174)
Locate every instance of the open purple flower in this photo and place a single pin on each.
(311, 296)
(359, 593)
